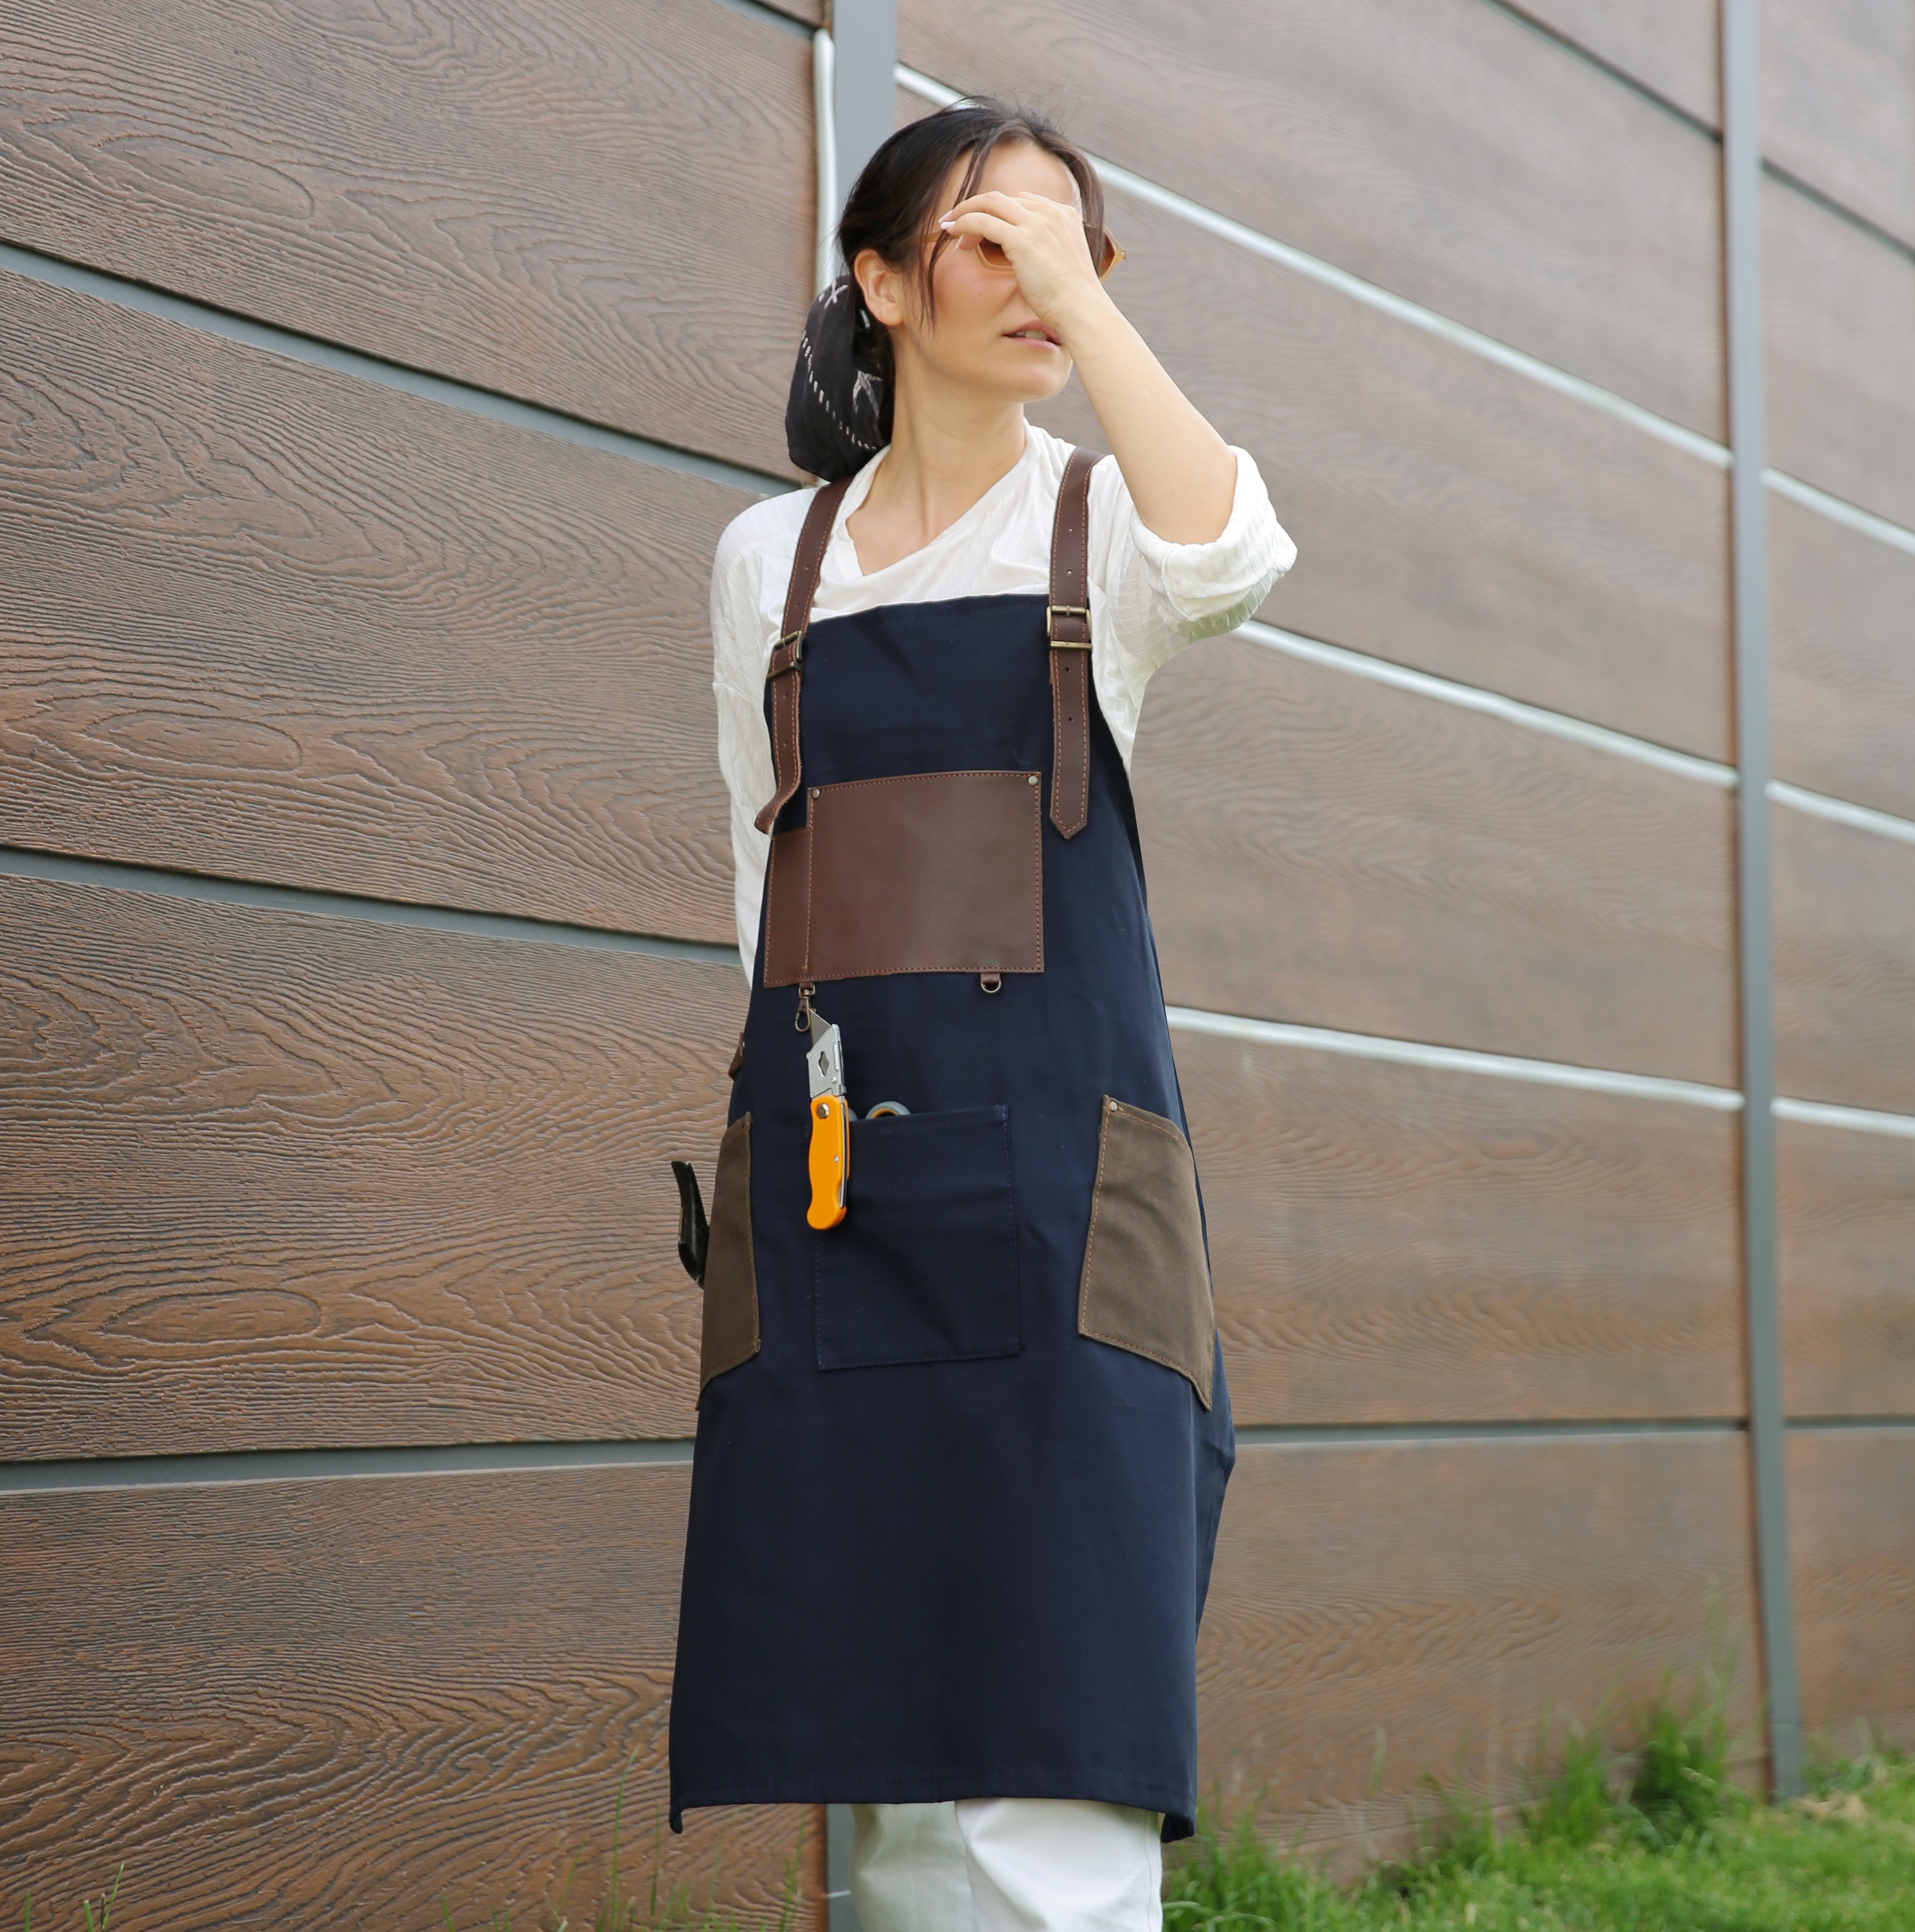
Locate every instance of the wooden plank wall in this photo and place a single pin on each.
(348, 373)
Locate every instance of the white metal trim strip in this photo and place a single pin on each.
(926, 88)
(1452, 1059)
(1511, 710)
(1839, 510)
(1857, 1120)
(1457, 334)
(222, 1467)
(824, 119)
(322, 354)
(1839, 812)
(117, 875)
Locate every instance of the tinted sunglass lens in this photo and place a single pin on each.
(1104, 252)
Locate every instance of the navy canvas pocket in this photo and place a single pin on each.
(924, 1266)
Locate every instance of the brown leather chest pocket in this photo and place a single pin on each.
(933, 872)
(729, 1333)
(1146, 1286)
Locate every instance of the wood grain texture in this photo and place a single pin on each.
(1845, 1229)
(1841, 634)
(274, 1180)
(1852, 1541)
(275, 621)
(602, 205)
(1838, 102)
(1430, 1601)
(1670, 46)
(1449, 516)
(1838, 324)
(1844, 955)
(307, 1706)
(1448, 151)
(1447, 513)
(1395, 1243)
(1326, 849)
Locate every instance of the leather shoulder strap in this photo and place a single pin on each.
(1067, 624)
(783, 670)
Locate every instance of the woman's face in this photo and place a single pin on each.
(987, 337)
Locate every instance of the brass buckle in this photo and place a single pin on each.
(796, 640)
(1051, 610)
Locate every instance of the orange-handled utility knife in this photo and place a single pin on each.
(830, 1126)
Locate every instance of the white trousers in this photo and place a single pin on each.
(1006, 1865)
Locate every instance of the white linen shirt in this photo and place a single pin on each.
(1148, 599)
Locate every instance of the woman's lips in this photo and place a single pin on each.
(1036, 332)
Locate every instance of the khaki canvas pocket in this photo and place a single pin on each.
(1146, 1284)
(729, 1334)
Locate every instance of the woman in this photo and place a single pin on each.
(963, 1431)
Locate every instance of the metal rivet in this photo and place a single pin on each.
(814, 791)
(1033, 778)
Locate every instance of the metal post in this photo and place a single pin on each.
(865, 85)
(1741, 201)
(842, 1914)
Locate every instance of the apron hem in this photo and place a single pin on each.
(889, 1788)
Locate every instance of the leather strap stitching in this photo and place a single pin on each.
(787, 656)
(1069, 612)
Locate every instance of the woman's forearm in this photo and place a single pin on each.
(1179, 472)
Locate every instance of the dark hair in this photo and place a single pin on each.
(839, 414)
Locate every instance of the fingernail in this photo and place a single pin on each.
(944, 221)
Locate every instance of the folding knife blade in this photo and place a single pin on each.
(824, 1062)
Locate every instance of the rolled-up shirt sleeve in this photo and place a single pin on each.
(1150, 599)
(745, 748)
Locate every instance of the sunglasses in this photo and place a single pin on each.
(1104, 252)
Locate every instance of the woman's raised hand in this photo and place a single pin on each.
(1044, 242)
(1180, 472)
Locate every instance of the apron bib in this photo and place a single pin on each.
(961, 1457)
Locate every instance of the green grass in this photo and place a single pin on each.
(1653, 1837)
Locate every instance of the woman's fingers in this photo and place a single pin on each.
(1004, 219)
(1008, 207)
(978, 221)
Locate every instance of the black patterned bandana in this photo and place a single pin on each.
(831, 419)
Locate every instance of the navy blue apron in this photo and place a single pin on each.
(960, 1458)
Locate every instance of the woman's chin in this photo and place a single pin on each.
(1022, 377)
(1036, 376)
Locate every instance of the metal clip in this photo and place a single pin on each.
(1053, 611)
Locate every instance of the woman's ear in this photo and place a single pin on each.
(883, 287)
